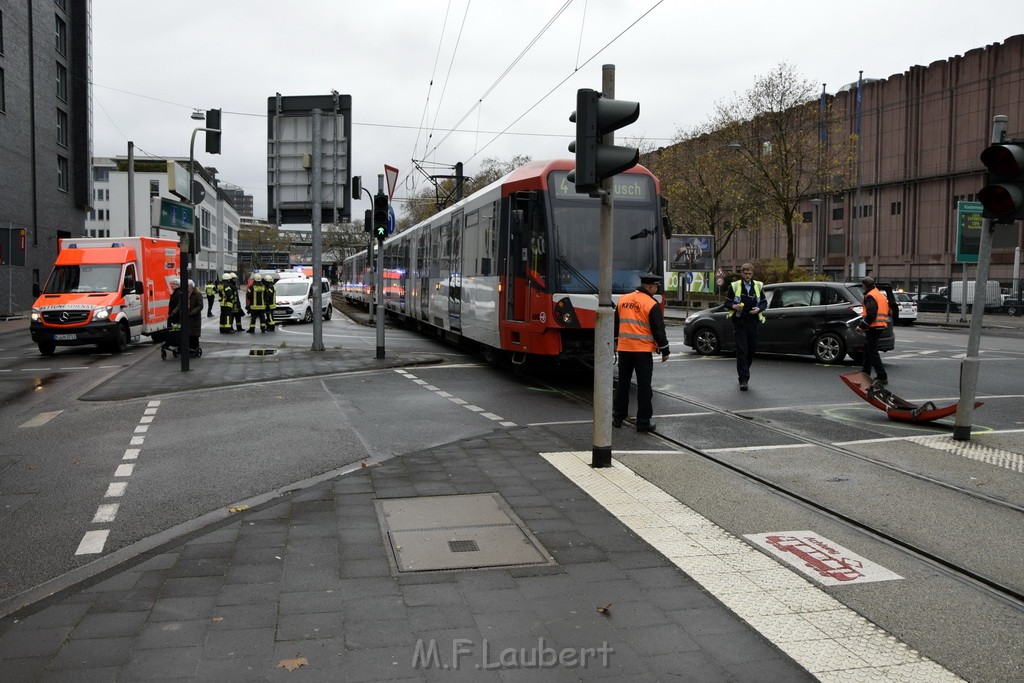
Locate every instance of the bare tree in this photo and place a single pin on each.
(783, 140)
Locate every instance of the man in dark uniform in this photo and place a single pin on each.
(745, 305)
(639, 333)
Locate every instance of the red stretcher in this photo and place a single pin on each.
(895, 407)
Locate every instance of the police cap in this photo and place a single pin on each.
(650, 279)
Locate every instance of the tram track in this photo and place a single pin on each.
(1001, 590)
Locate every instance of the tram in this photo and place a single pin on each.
(513, 268)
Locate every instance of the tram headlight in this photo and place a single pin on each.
(565, 314)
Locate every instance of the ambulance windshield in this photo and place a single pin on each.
(90, 278)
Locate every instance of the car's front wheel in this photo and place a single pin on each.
(706, 342)
(308, 318)
(829, 348)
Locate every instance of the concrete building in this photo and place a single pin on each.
(239, 199)
(922, 132)
(45, 139)
(218, 219)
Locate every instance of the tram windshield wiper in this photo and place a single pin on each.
(579, 276)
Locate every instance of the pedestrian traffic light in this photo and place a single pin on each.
(213, 131)
(368, 221)
(595, 117)
(380, 216)
(1003, 198)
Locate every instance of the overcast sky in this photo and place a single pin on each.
(443, 81)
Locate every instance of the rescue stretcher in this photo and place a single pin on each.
(895, 407)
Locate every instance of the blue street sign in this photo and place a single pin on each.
(689, 277)
(391, 219)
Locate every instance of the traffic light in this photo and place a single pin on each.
(596, 116)
(357, 187)
(1003, 197)
(368, 221)
(380, 216)
(213, 131)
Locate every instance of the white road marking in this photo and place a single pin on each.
(116, 489)
(93, 542)
(137, 440)
(759, 448)
(105, 513)
(458, 401)
(816, 630)
(41, 419)
(141, 429)
(146, 419)
(131, 454)
(124, 470)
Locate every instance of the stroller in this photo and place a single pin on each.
(171, 343)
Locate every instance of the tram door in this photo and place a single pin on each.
(515, 264)
(455, 273)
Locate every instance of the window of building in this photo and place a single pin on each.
(63, 179)
(154, 188)
(864, 211)
(204, 229)
(63, 4)
(60, 38)
(100, 174)
(62, 128)
(896, 208)
(62, 82)
(808, 216)
(837, 213)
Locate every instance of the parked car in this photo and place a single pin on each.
(907, 309)
(1012, 305)
(935, 303)
(809, 318)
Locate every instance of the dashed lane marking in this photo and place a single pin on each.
(820, 633)
(93, 541)
(454, 399)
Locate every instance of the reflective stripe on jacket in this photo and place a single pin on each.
(737, 292)
(634, 322)
(882, 318)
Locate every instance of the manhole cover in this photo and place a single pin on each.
(432, 533)
(262, 352)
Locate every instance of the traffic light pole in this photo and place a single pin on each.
(604, 325)
(380, 283)
(970, 363)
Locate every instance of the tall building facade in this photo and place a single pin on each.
(921, 136)
(45, 138)
(218, 220)
(239, 199)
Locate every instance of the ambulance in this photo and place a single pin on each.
(105, 291)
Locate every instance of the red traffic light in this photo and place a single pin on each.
(1004, 160)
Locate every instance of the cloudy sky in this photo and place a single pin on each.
(443, 81)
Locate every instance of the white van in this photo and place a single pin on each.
(294, 298)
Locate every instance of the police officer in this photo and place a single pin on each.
(876, 318)
(228, 302)
(639, 332)
(745, 305)
(256, 303)
(270, 296)
(211, 290)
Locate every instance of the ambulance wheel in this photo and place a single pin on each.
(120, 341)
(47, 348)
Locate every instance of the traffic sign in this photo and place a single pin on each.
(391, 175)
(391, 219)
(171, 215)
(968, 231)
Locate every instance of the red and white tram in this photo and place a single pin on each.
(513, 268)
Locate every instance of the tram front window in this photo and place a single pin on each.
(636, 246)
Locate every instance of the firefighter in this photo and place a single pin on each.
(270, 296)
(256, 303)
(237, 312)
(228, 302)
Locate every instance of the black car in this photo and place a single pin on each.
(812, 318)
(935, 303)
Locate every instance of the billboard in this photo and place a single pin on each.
(290, 154)
(691, 252)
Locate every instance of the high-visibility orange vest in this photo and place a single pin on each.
(882, 319)
(634, 322)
